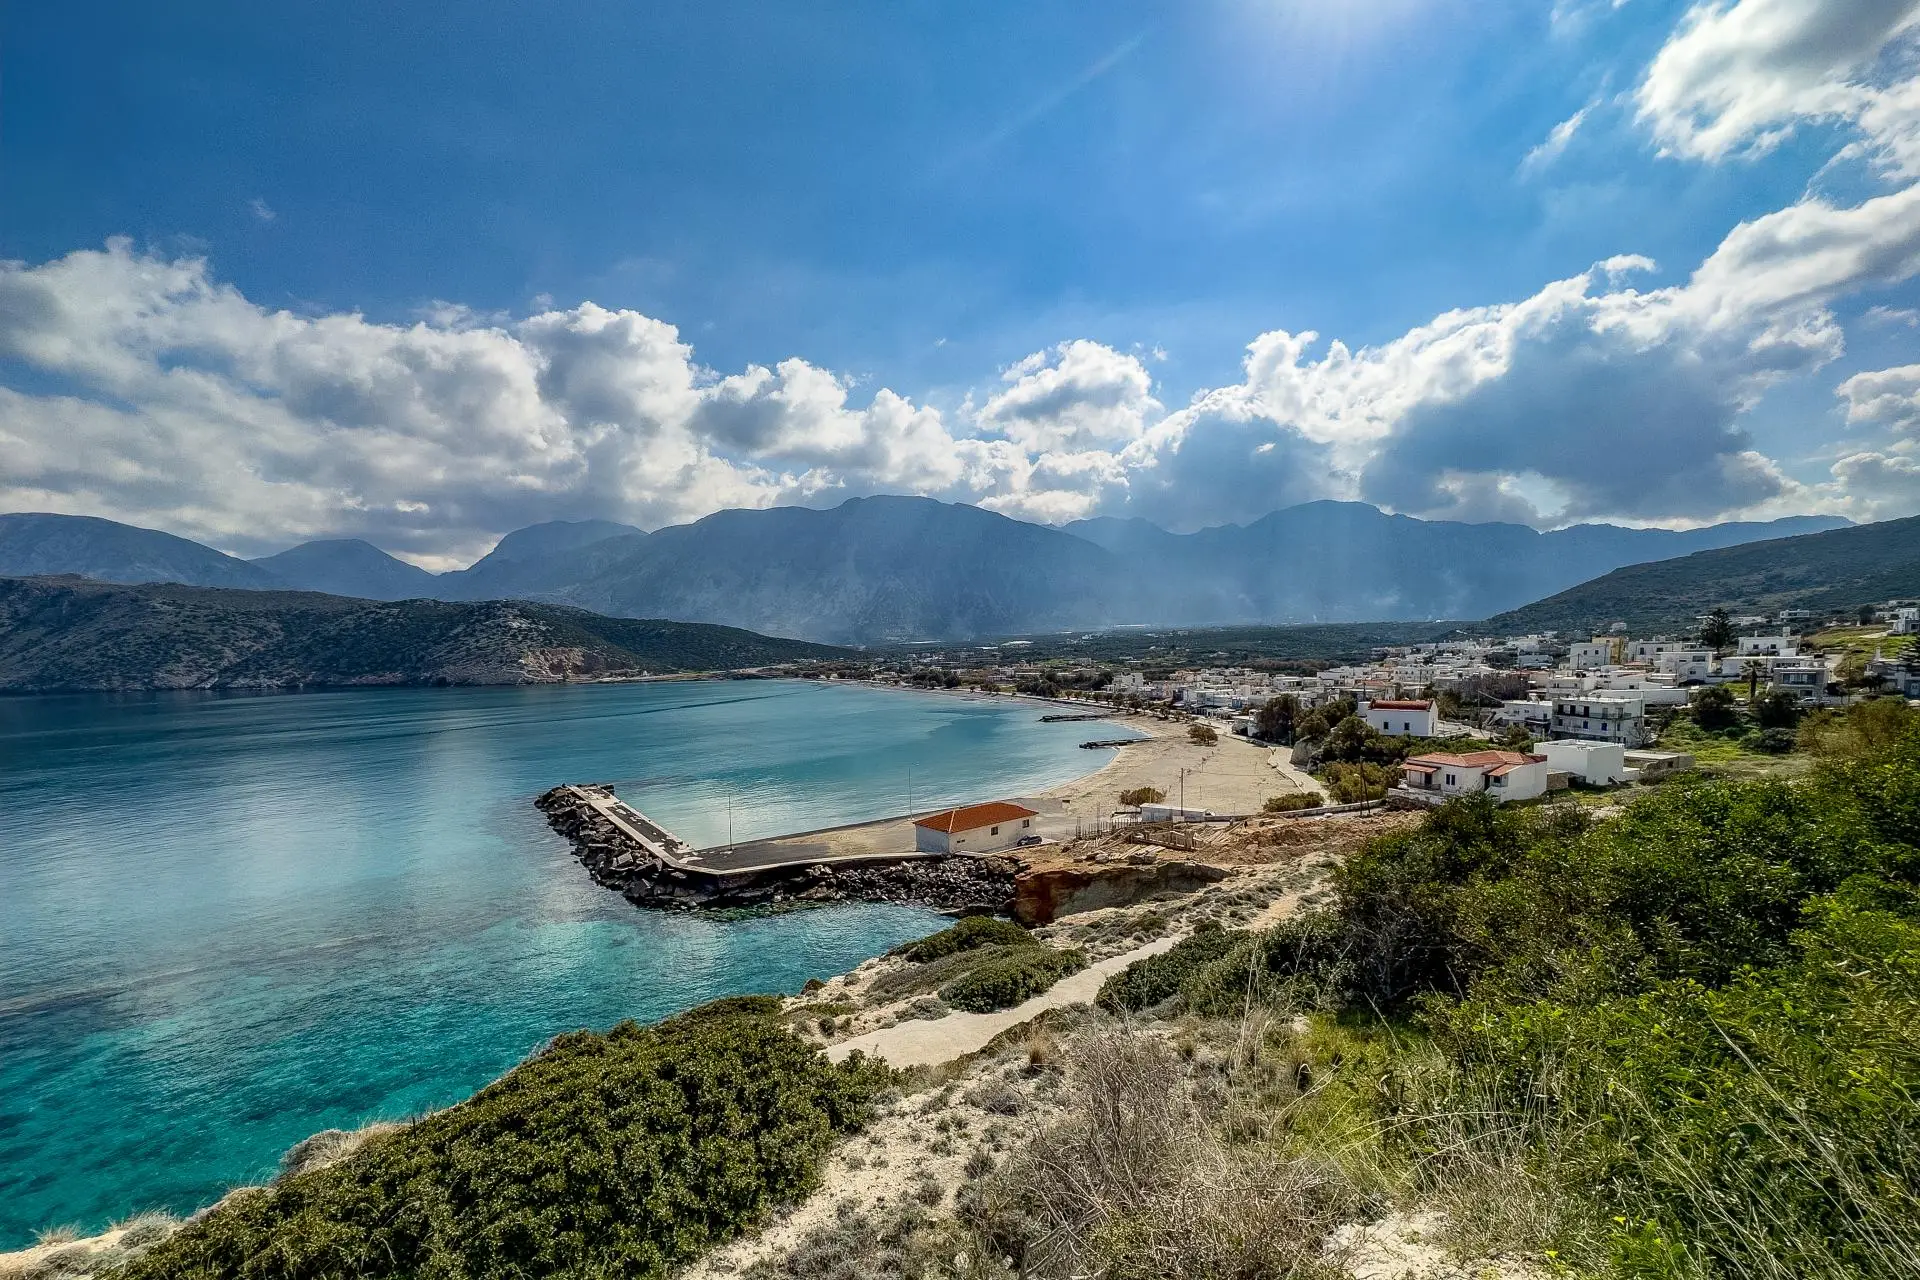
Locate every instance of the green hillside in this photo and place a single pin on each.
(1832, 572)
(71, 633)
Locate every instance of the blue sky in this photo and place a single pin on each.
(423, 272)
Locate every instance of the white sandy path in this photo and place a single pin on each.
(924, 1043)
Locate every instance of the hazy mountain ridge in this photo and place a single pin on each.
(1346, 561)
(37, 542)
(1832, 571)
(349, 567)
(69, 633)
(913, 568)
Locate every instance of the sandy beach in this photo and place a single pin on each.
(1234, 776)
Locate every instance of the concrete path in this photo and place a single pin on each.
(927, 1042)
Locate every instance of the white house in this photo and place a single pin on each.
(978, 828)
(1805, 678)
(1769, 644)
(1529, 713)
(1589, 655)
(1504, 775)
(1617, 717)
(1685, 663)
(1906, 621)
(1598, 764)
(1400, 718)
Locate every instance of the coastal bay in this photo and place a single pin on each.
(227, 922)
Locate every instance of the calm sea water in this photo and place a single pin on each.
(227, 922)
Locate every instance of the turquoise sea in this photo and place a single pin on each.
(229, 921)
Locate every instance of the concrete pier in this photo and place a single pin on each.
(624, 849)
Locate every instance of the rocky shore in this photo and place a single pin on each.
(616, 862)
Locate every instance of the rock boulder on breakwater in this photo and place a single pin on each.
(615, 861)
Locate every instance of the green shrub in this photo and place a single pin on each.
(1766, 1127)
(1288, 803)
(972, 932)
(615, 1154)
(1713, 707)
(1354, 783)
(1012, 977)
(1148, 981)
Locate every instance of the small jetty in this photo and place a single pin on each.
(625, 850)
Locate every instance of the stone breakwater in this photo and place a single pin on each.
(617, 862)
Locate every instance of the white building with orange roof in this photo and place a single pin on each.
(1504, 775)
(977, 828)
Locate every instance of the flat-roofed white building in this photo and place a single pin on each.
(1598, 764)
(1590, 655)
(1771, 644)
(1614, 717)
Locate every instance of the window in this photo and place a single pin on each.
(1406, 726)
(1451, 780)
(994, 832)
(1026, 822)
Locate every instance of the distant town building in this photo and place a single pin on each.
(1400, 717)
(1591, 655)
(1770, 645)
(1805, 678)
(978, 828)
(1601, 718)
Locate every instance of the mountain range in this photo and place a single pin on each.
(895, 568)
(70, 633)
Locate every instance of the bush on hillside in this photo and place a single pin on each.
(1291, 802)
(1354, 783)
(1713, 707)
(969, 934)
(616, 1154)
(1148, 981)
(1138, 796)
(1008, 979)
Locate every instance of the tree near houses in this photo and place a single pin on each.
(1203, 735)
(1717, 631)
(1713, 707)
(1142, 795)
(1777, 709)
(1275, 720)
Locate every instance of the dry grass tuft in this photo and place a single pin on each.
(1135, 1184)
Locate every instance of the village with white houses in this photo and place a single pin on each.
(1516, 717)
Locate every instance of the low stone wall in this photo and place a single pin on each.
(615, 861)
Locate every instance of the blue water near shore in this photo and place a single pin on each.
(227, 922)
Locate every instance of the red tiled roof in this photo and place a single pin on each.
(1478, 760)
(1393, 704)
(1420, 768)
(974, 815)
